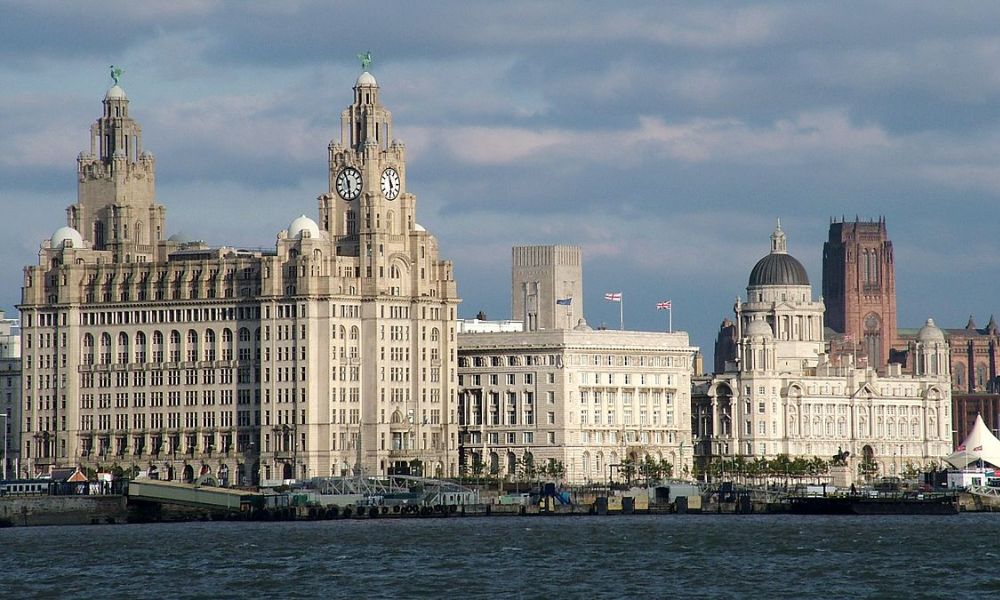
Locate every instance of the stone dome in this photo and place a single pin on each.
(778, 269)
(930, 332)
(115, 92)
(366, 79)
(581, 325)
(758, 327)
(180, 237)
(303, 227)
(67, 234)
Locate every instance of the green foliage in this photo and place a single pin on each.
(760, 469)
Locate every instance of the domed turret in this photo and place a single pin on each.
(759, 327)
(115, 92)
(67, 237)
(778, 267)
(366, 79)
(303, 227)
(930, 333)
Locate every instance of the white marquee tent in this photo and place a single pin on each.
(979, 445)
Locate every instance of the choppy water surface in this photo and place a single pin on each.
(706, 556)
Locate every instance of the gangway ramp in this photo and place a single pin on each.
(193, 495)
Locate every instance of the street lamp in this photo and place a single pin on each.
(6, 421)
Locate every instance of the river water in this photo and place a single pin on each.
(692, 556)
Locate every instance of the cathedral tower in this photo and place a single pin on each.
(859, 286)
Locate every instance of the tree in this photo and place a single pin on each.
(627, 469)
(477, 465)
(526, 467)
(554, 469)
(818, 467)
(867, 468)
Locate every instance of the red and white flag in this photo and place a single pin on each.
(848, 338)
(613, 296)
(663, 305)
(961, 447)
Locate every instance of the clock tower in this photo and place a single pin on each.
(394, 297)
(367, 194)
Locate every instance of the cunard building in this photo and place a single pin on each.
(332, 354)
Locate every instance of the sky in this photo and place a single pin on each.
(663, 138)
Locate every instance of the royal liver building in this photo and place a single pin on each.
(332, 354)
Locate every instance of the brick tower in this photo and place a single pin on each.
(859, 286)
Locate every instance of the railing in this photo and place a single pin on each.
(983, 490)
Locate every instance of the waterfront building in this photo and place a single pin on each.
(975, 368)
(10, 393)
(333, 353)
(581, 400)
(781, 395)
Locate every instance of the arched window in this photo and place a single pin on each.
(980, 376)
(87, 354)
(157, 347)
(435, 334)
(123, 351)
(105, 348)
(209, 345)
(227, 344)
(192, 345)
(175, 346)
(140, 347)
(355, 333)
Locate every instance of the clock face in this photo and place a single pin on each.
(390, 183)
(871, 322)
(349, 183)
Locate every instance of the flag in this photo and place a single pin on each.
(961, 448)
(977, 449)
(564, 301)
(613, 296)
(663, 305)
(848, 338)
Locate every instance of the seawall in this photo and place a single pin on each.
(62, 510)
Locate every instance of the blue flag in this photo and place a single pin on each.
(564, 301)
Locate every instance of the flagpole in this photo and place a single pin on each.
(670, 313)
(621, 313)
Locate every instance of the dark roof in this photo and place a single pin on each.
(778, 269)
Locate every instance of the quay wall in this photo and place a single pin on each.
(62, 510)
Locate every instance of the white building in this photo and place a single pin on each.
(581, 398)
(333, 353)
(782, 396)
(10, 392)
(550, 395)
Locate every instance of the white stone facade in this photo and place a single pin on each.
(10, 393)
(333, 353)
(583, 398)
(782, 396)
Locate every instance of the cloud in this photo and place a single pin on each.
(793, 140)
